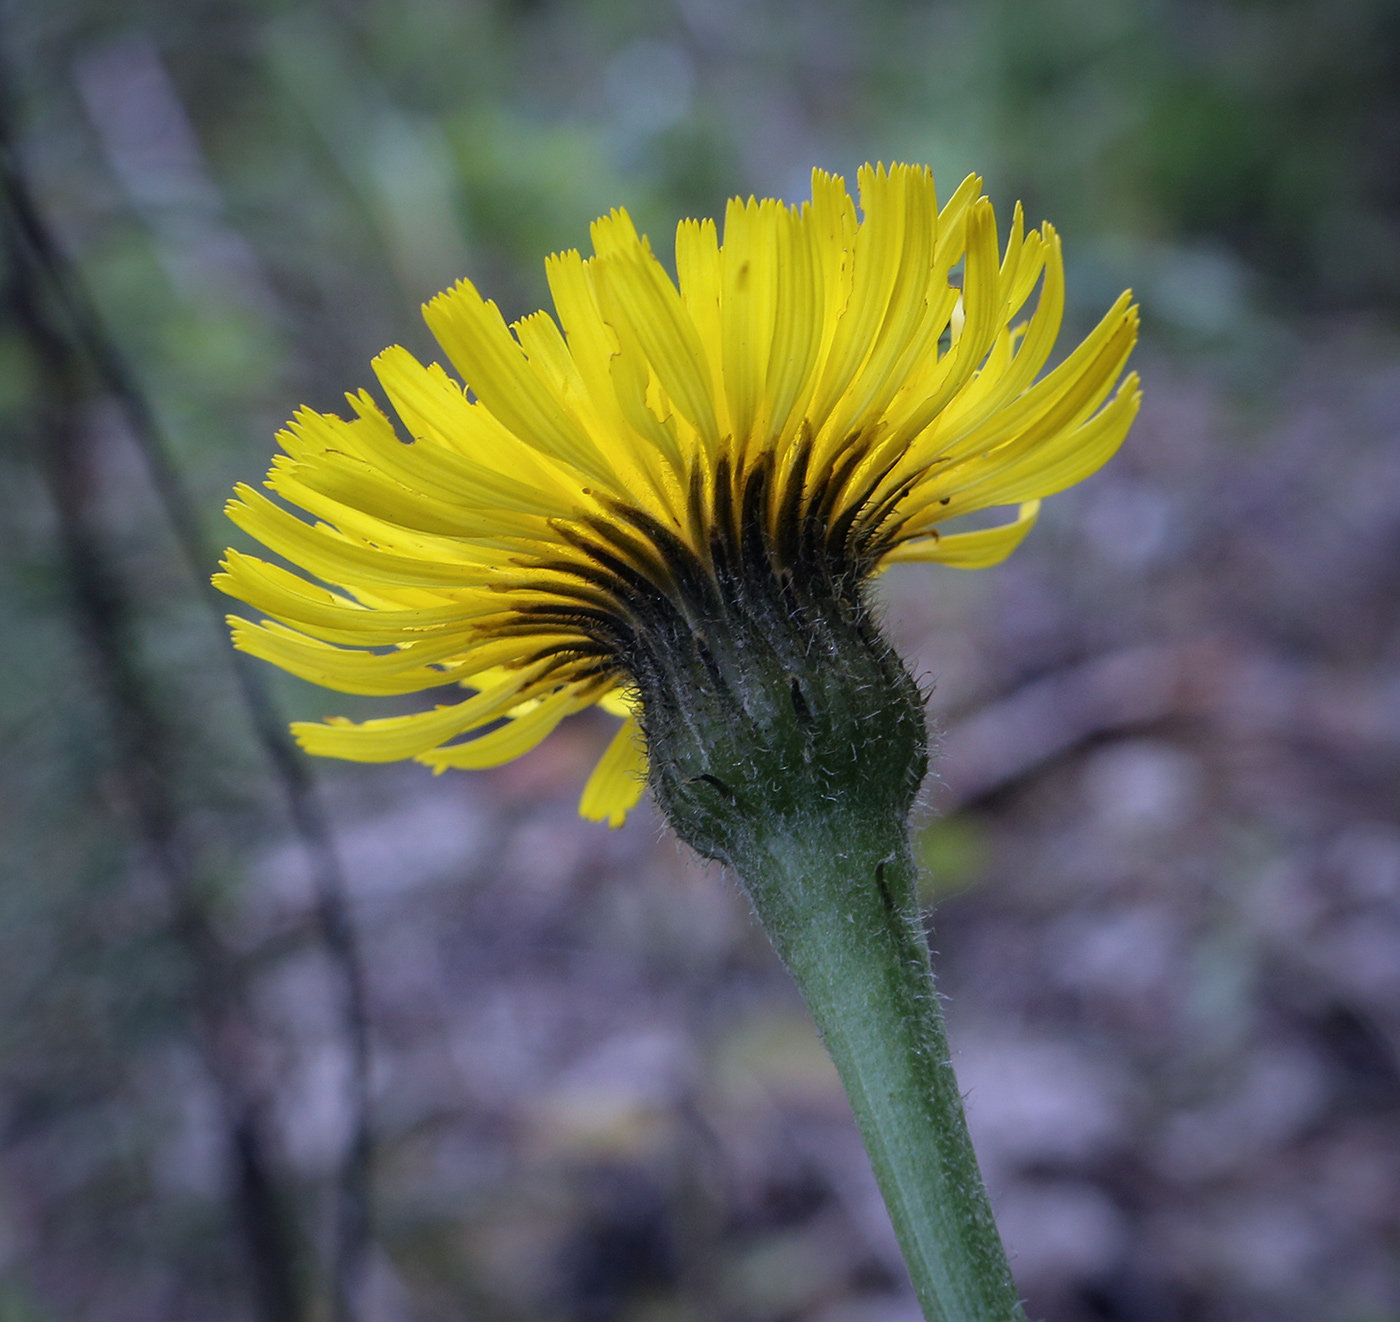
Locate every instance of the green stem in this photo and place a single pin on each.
(845, 920)
(786, 739)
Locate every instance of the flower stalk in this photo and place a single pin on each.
(787, 741)
(848, 926)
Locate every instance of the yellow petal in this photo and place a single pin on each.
(834, 225)
(473, 456)
(481, 347)
(701, 278)
(910, 192)
(875, 264)
(970, 550)
(337, 619)
(335, 558)
(591, 345)
(518, 735)
(644, 295)
(408, 669)
(335, 484)
(797, 322)
(1079, 453)
(619, 779)
(617, 702)
(393, 738)
(747, 306)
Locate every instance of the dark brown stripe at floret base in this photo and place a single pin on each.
(777, 545)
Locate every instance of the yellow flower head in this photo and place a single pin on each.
(819, 393)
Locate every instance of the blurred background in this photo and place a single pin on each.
(386, 1047)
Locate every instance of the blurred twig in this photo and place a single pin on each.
(71, 340)
(1017, 734)
(104, 617)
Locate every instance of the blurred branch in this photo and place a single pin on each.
(104, 618)
(71, 341)
(1225, 681)
(1014, 736)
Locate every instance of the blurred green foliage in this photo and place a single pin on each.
(373, 151)
(954, 853)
